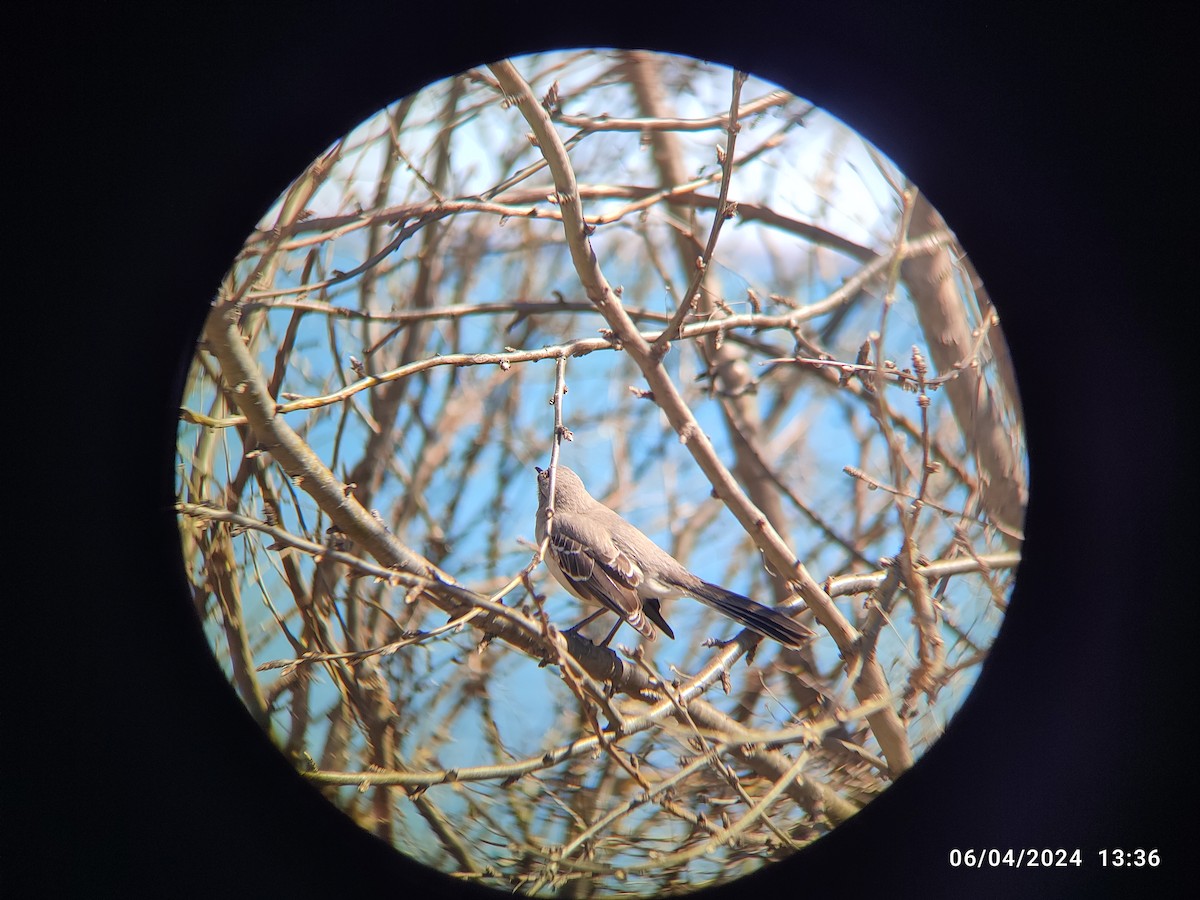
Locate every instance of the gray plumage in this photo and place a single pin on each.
(603, 560)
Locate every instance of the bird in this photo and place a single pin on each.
(604, 561)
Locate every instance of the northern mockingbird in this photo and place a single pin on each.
(603, 560)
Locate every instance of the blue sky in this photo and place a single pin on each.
(822, 173)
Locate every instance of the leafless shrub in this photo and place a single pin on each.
(776, 360)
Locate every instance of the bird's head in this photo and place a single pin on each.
(569, 492)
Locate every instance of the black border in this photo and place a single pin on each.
(1047, 137)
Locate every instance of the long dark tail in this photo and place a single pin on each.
(766, 621)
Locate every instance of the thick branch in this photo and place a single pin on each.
(942, 314)
(249, 390)
(888, 728)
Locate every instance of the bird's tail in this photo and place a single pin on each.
(766, 621)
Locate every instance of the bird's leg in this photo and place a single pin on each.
(574, 629)
(604, 643)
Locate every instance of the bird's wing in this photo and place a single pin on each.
(599, 571)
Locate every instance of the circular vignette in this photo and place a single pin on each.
(752, 336)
